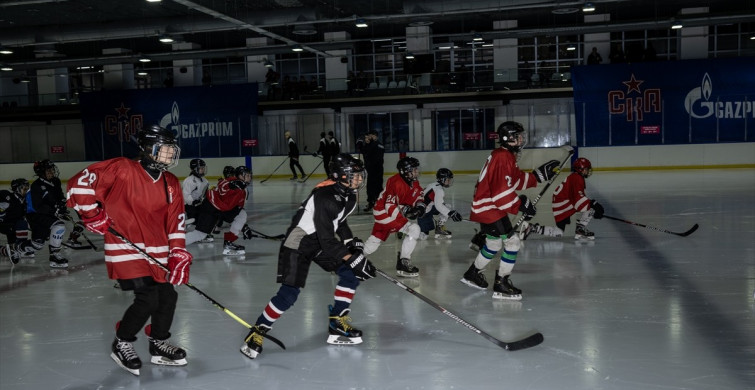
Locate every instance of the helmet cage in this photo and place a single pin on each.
(408, 168)
(445, 177)
(20, 186)
(348, 172)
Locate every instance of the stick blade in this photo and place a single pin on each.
(690, 231)
(527, 342)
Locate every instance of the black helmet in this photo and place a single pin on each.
(19, 186)
(41, 168)
(407, 168)
(343, 170)
(445, 177)
(195, 164)
(241, 170)
(512, 137)
(228, 171)
(151, 140)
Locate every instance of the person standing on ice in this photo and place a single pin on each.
(144, 203)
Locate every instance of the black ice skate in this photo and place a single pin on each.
(442, 232)
(232, 249)
(532, 228)
(74, 243)
(405, 268)
(478, 241)
(207, 239)
(165, 354)
(123, 353)
(504, 289)
(9, 251)
(581, 233)
(253, 341)
(339, 330)
(57, 260)
(475, 278)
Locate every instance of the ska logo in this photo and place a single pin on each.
(634, 102)
(122, 124)
(700, 103)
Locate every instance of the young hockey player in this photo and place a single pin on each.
(225, 203)
(194, 188)
(435, 199)
(46, 211)
(494, 199)
(569, 197)
(320, 234)
(293, 156)
(13, 222)
(400, 203)
(141, 201)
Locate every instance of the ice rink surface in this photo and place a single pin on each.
(635, 309)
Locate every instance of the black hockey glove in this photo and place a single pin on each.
(526, 207)
(355, 244)
(546, 171)
(455, 216)
(362, 268)
(415, 212)
(598, 209)
(62, 212)
(246, 232)
(197, 202)
(237, 185)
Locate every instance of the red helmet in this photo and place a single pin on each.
(582, 166)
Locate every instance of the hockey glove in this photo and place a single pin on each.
(413, 213)
(246, 232)
(197, 202)
(237, 185)
(362, 268)
(598, 209)
(526, 207)
(455, 216)
(354, 244)
(546, 171)
(179, 262)
(62, 212)
(99, 223)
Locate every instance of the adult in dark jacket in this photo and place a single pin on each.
(293, 156)
(373, 152)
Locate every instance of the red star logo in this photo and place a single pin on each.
(122, 111)
(633, 84)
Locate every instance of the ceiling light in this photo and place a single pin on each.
(144, 59)
(25, 79)
(6, 68)
(753, 37)
(588, 7)
(142, 73)
(571, 48)
(165, 38)
(267, 63)
(296, 48)
(5, 50)
(409, 56)
(154, 1)
(361, 23)
(477, 38)
(676, 26)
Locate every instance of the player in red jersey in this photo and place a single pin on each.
(569, 197)
(494, 199)
(144, 203)
(400, 203)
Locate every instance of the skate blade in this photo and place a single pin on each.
(472, 284)
(517, 297)
(407, 274)
(118, 362)
(439, 236)
(56, 265)
(335, 339)
(163, 361)
(248, 352)
(581, 237)
(233, 253)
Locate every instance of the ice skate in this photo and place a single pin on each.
(293, 178)
(504, 289)
(124, 355)
(478, 241)
(339, 330)
(405, 268)
(57, 260)
(231, 249)
(207, 239)
(474, 278)
(10, 252)
(441, 232)
(253, 341)
(582, 233)
(74, 243)
(422, 236)
(531, 228)
(165, 354)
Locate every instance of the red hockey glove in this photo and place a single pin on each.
(99, 223)
(179, 262)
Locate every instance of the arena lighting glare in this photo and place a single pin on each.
(6, 68)
(676, 26)
(361, 23)
(297, 48)
(409, 56)
(166, 38)
(588, 7)
(5, 50)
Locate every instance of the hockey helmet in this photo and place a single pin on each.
(198, 167)
(348, 172)
(582, 166)
(512, 136)
(45, 167)
(408, 168)
(445, 177)
(243, 173)
(20, 186)
(228, 171)
(159, 144)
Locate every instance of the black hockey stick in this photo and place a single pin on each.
(274, 170)
(311, 173)
(189, 285)
(545, 188)
(527, 342)
(684, 234)
(257, 234)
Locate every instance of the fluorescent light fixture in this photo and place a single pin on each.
(361, 23)
(487, 45)
(571, 48)
(477, 38)
(267, 63)
(5, 50)
(296, 48)
(166, 38)
(676, 26)
(6, 68)
(144, 59)
(753, 37)
(154, 1)
(588, 7)
(142, 73)
(25, 79)
(409, 56)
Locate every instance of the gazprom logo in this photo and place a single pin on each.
(698, 104)
(197, 129)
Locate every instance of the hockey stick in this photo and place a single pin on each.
(311, 173)
(685, 234)
(189, 285)
(91, 244)
(527, 342)
(257, 234)
(542, 192)
(274, 170)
